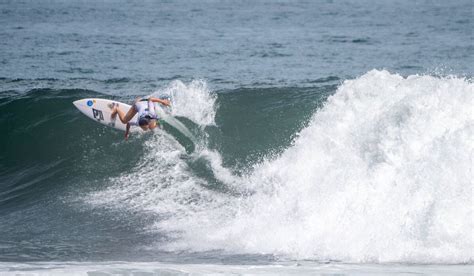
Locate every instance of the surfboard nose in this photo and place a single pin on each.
(80, 104)
(77, 103)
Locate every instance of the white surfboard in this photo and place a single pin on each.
(100, 110)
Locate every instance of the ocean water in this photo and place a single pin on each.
(330, 137)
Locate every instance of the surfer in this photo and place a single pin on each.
(147, 118)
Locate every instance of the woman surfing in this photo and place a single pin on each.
(145, 108)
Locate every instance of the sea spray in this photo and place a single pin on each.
(194, 101)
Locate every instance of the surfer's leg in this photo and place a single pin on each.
(129, 116)
(125, 118)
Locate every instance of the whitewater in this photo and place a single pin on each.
(381, 173)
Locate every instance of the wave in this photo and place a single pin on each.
(378, 172)
(381, 173)
(38, 143)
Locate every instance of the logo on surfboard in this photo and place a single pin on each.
(97, 114)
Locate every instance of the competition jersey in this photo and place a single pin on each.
(144, 108)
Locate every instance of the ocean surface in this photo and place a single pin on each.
(331, 137)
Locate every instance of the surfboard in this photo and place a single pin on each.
(100, 110)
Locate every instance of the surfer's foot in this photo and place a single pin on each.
(112, 105)
(114, 108)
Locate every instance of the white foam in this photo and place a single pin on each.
(161, 181)
(383, 173)
(194, 101)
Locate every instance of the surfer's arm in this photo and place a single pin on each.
(161, 101)
(127, 129)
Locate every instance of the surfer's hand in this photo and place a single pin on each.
(166, 102)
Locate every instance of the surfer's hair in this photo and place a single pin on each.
(144, 121)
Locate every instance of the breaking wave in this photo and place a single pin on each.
(381, 173)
